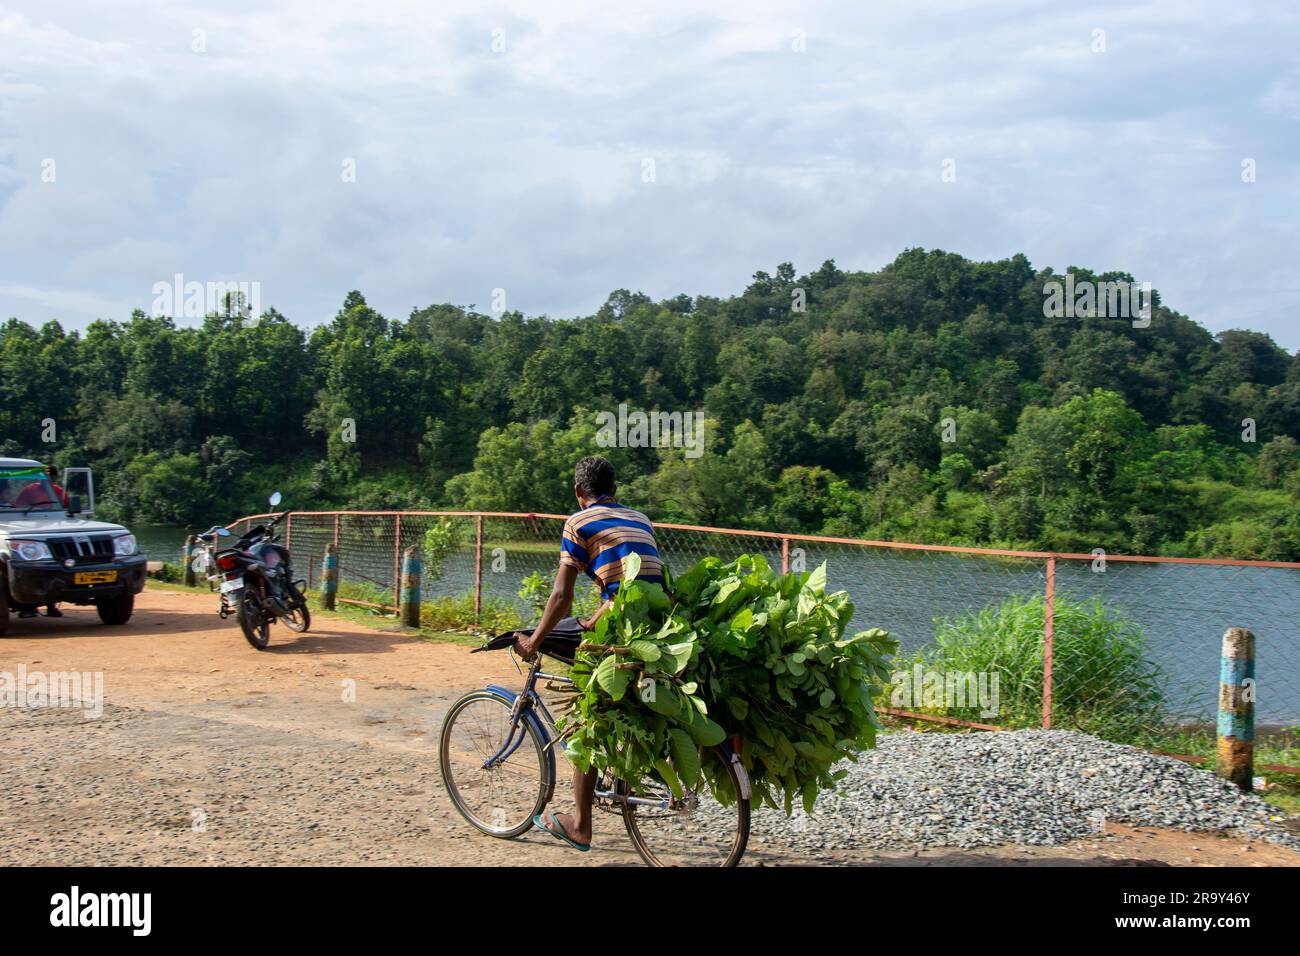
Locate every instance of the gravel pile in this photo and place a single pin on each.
(1034, 787)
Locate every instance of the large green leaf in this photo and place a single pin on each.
(661, 697)
(611, 677)
(726, 589)
(646, 650)
(669, 777)
(681, 654)
(686, 758)
(704, 731)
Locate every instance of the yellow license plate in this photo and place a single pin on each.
(94, 577)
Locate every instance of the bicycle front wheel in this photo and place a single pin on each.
(497, 780)
(697, 830)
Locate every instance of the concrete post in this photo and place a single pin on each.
(1236, 750)
(408, 609)
(187, 561)
(329, 580)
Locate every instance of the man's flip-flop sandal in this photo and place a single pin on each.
(558, 832)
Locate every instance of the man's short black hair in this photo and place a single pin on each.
(594, 476)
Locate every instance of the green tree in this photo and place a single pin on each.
(1278, 460)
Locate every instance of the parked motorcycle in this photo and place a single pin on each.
(255, 579)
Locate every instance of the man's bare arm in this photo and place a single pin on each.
(590, 622)
(557, 606)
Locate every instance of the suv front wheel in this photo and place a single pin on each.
(4, 604)
(116, 610)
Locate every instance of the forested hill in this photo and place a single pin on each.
(930, 401)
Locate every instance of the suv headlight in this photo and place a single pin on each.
(31, 550)
(124, 545)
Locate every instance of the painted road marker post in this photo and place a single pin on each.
(1236, 749)
(329, 578)
(187, 562)
(409, 603)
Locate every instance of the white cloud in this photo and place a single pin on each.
(523, 169)
(71, 300)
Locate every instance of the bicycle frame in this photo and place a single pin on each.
(528, 703)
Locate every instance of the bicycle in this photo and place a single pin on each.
(495, 743)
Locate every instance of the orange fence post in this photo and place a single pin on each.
(1048, 622)
(397, 560)
(785, 555)
(336, 529)
(478, 569)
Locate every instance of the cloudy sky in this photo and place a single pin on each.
(511, 146)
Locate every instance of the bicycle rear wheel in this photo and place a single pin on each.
(501, 799)
(697, 830)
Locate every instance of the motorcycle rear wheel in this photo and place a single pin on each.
(252, 621)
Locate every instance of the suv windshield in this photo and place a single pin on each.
(24, 489)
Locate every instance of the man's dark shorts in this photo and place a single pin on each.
(564, 638)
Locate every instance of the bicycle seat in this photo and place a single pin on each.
(562, 643)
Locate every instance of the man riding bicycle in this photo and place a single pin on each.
(596, 540)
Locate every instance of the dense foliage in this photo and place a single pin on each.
(1102, 679)
(931, 401)
(732, 650)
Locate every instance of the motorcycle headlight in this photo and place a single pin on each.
(31, 550)
(124, 545)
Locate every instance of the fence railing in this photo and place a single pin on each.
(1112, 644)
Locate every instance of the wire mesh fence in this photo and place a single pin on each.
(1123, 647)
(1165, 625)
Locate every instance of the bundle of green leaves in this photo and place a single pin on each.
(727, 650)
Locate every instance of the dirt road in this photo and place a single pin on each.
(319, 750)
